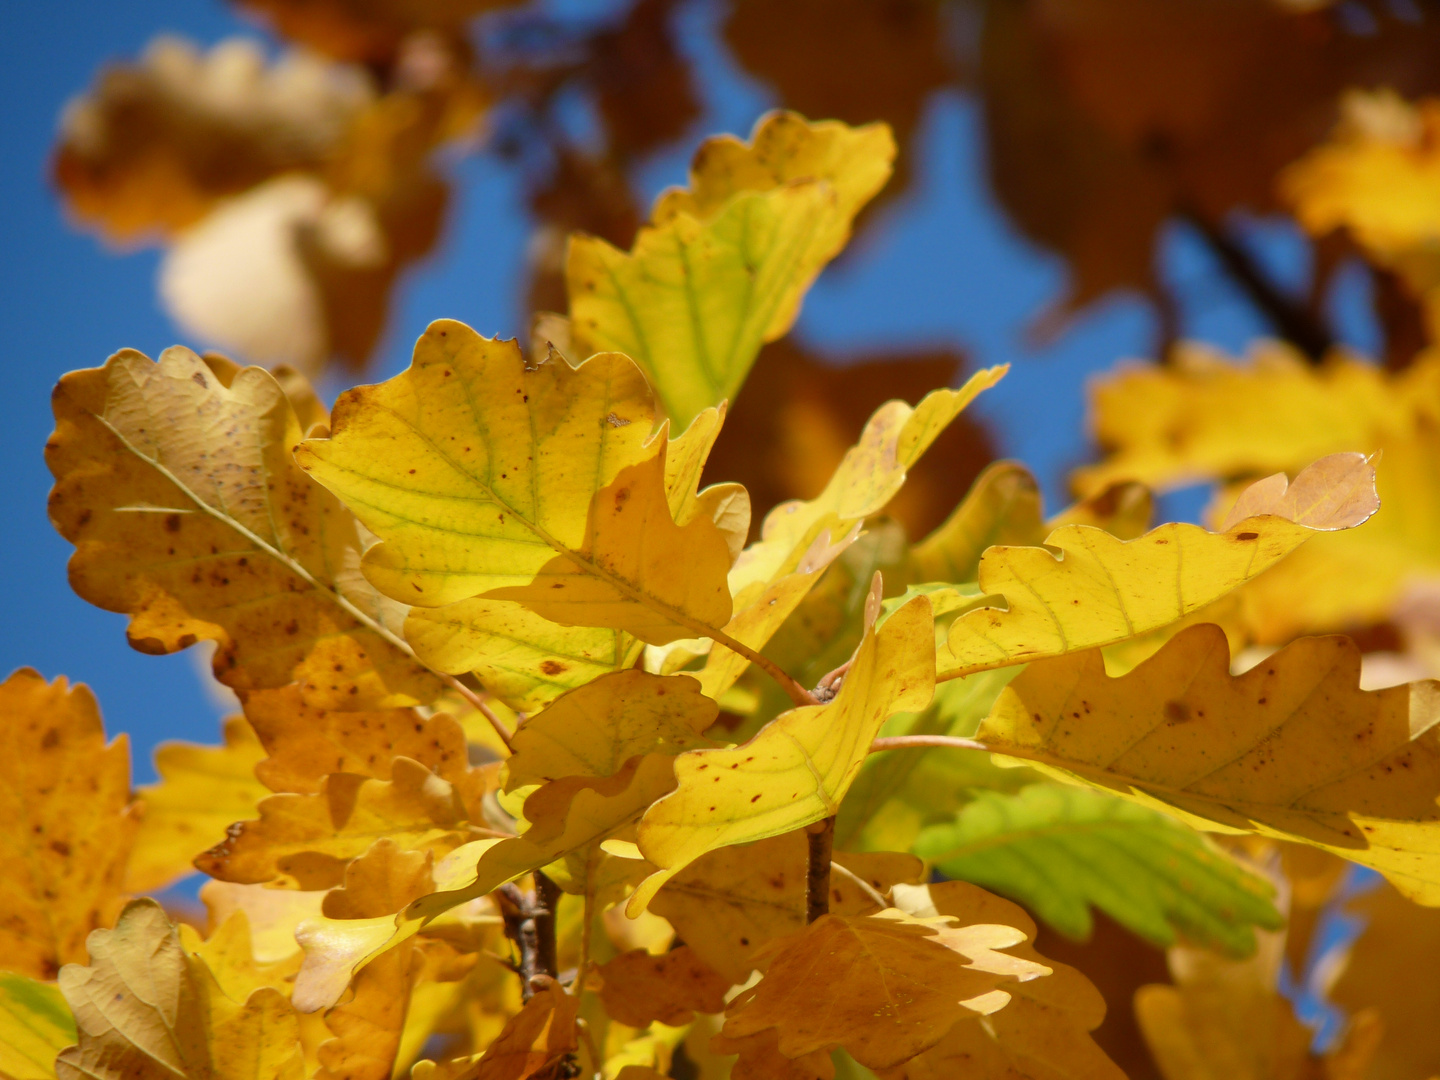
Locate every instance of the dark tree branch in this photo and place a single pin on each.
(530, 923)
(1288, 315)
(817, 873)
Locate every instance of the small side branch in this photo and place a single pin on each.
(479, 704)
(797, 693)
(817, 873)
(530, 923)
(910, 742)
(1290, 317)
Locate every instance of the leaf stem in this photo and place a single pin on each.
(797, 693)
(907, 742)
(856, 879)
(476, 702)
(821, 836)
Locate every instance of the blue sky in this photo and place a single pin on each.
(946, 268)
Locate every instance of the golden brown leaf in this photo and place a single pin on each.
(368, 1026)
(639, 989)
(304, 841)
(785, 436)
(1400, 938)
(1086, 588)
(305, 744)
(855, 60)
(728, 904)
(147, 1011)
(539, 1035)
(189, 515)
(203, 790)
(365, 30)
(1105, 118)
(595, 729)
(1293, 748)
(155, 144)
(1224, 1019)
(885, 987)
(636, 570)
(69, 823)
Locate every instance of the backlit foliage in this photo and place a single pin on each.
(651, 698)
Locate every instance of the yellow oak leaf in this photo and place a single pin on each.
(1291, 749)
(1208, 417)
(306, 744)
(636, 570)
(35, 1025)
(639, 989)
(800, 539)
(885, 986)
(519, 656)
(1374, 975)
(537, 1037)
(203, 790)
(368, 1026)
(175, 483)
(1086, 588)
(304, 841)
(70, 824)
(489, 462)
(723, 266)
(566, 815)
(231, 960)
(272, 915)
(1003, 508)
(488, 470)
(594, 730)
(728, 904)
(147, 1011)
(1375, 177)
(1041, 1033)
(798, 768)
(1226, 1019)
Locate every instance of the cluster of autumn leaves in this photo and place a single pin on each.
(524, 707)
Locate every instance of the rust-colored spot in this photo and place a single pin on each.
(551, 667)
(1176, 712)
(172, 522)
(1247, 536)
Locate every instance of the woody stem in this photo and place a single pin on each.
(530, 923)
(821, 836)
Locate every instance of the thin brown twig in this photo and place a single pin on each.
(530, 923)
(476, 702)
(907, 742)
(1290, 318)
(797, 693)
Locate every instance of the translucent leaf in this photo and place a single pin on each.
(723, 266)
(1292, 748)
(1059, 850)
